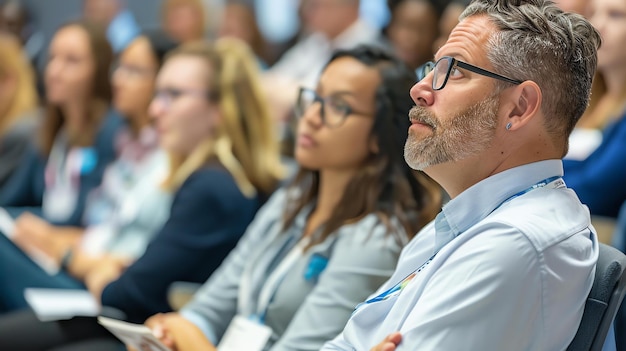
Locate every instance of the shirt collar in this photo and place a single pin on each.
(478, 201)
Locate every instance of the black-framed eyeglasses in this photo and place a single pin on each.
(333, 110)
(446, 65)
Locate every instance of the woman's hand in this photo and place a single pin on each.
(178, 333)
(390, 343)
(186, 335)
(107, 270)
(35, 234)
(160, 329)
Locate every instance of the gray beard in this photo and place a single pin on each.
(466, 134)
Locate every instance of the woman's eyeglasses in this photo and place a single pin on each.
(333, 109)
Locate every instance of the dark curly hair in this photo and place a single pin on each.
(386, 185)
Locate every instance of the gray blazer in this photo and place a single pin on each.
(310, 305)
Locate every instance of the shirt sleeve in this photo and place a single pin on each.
(363, 258)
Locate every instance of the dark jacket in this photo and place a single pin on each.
(208, 216)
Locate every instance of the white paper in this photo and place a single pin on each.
(137, 336)
(60, 304)
(244, 334)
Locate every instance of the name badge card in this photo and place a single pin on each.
(245, 334)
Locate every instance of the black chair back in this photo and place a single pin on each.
(607, 293)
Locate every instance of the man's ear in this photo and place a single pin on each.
(526, 99)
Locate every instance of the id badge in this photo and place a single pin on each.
(245, 334)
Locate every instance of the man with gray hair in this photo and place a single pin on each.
(510, 260)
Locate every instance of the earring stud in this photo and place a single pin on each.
(508, 126)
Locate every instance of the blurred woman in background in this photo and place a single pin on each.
(238, 21)
(184, 20)
(213, 122)
(413, 30)
(597, 175)
(75, 143)
(122, 214)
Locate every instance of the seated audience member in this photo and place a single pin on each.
(121, 215)
(598, 178)
(184, 20)
(510, 260)
(239, 21)
(448, 20)
(413, 30)
(119, 21)
(213, 121)
(75, 144)
(332, 236)
(330, 25)
(18, 106)
(16, 19)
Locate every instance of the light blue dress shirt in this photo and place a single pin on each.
(515, 276)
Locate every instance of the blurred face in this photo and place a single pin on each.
(183, 112)
(444, 128)
(345, 146)
(12, 18)
(413, 30)
(449, 19)
(183, 23)
(134, 79)
(609, 18)
(235, 23)
(101, 11)
(71, 67)
(328, 17)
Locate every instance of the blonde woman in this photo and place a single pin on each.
(18, 105)
(212, 119)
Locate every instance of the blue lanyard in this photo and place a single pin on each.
(397, 288)
(540, 184)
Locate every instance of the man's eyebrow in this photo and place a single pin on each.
(455, 55)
